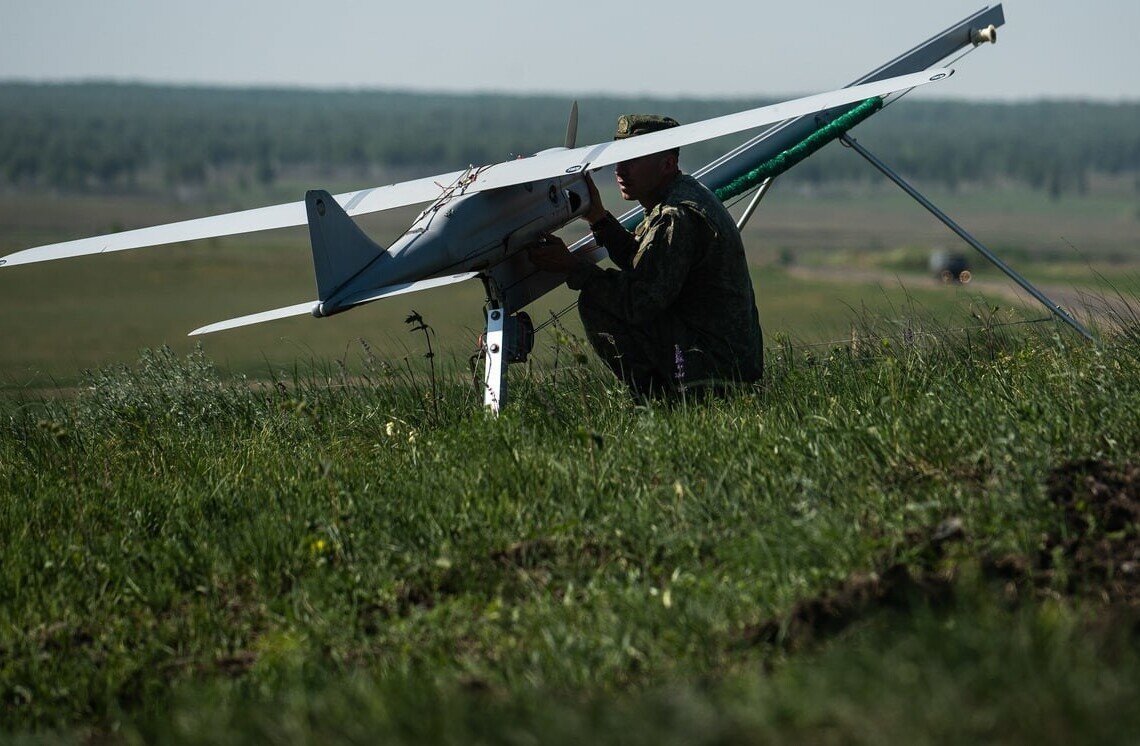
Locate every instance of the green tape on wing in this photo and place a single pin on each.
(780, 163)
(785, 159)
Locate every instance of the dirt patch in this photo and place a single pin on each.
(832, 611)
(1094, 553)
(1097, 550)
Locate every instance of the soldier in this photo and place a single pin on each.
(679, 311)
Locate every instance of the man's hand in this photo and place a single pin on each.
(597, 210)
(551, 255)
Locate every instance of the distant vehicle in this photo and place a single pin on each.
(950, 267)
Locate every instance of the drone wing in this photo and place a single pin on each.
(544, 166)
(591, 157)
(313, 306)
(246, 221)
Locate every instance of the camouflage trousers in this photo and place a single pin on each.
(655, 360)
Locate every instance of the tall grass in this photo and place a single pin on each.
(361, 551)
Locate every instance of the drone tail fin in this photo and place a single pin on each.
(341, 250)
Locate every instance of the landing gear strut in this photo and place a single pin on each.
(509, 338)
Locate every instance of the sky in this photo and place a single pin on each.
(669, 48)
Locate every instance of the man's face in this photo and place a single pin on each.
(642, 178)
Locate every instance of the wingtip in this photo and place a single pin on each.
(298, 309)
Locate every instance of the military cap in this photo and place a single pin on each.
(629, 125)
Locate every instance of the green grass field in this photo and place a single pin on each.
(873, 547)
(923, 527)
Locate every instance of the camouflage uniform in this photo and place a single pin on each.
(680, 312)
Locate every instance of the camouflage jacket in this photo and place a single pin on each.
(683, 271)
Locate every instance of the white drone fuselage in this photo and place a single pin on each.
(456, 234)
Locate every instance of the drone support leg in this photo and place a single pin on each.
(747, 214)
(993, 258)
(508, 338)
(494, 359)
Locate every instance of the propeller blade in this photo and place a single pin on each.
(572, 127)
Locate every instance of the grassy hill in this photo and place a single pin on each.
(920, 537)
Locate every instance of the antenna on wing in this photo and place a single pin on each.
(572, 127)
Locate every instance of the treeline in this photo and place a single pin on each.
(97, 136)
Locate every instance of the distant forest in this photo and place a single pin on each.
(128, 137)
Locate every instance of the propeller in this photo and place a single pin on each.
(572, 127)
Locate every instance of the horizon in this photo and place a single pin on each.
(523, 94)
